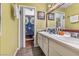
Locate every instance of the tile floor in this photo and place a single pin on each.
(30, 50)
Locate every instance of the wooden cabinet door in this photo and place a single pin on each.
(40, 40)
(52, 51)
(64, 51)
(45, 45)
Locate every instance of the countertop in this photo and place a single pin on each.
(67, 41)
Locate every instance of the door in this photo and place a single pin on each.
(29, 25)
(21, 35)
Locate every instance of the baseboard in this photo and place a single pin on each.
(29, 39)
(16, 51)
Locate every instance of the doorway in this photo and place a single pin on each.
(27, 28)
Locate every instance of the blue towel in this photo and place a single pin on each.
(29, 28)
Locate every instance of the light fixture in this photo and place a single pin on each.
(49, 5)
(55, 6)
(16, 11)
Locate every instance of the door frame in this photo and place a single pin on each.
(24, 27)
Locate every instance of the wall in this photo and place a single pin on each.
(9, 36)
(40, 24)
(71, 10)
(0, 28)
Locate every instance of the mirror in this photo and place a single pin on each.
(59, 19)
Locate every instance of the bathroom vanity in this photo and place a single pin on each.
(56, 45)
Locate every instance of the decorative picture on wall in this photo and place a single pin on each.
(74, 18)
(51, 16)
(41, 15)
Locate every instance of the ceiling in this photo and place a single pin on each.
(65, 5)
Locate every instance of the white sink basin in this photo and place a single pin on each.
(62, 35)
(56, 34)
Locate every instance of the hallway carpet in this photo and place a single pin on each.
(30, 51)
